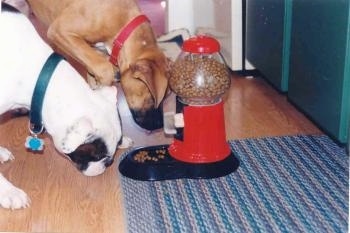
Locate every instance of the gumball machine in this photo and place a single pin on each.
(199, 150)
(199, 78)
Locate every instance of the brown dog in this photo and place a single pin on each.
(75, 26)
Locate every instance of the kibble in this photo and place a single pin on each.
(199, 79)
(146, 156)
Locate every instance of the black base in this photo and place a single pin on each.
(154, 163)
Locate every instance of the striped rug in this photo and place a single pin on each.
(284, 184)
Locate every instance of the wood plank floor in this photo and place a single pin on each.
(63, 200)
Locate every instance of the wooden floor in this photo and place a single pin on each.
(63, 200)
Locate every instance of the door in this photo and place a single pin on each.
(319, 81)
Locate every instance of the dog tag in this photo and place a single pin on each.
(34, 143)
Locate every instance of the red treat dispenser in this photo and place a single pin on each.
(199, 78)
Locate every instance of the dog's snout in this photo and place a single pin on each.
(149, 120)
(91, 158)
(108, 162)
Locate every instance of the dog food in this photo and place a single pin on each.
(146, 156)
(198, 79)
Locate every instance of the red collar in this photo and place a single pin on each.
(123, 35)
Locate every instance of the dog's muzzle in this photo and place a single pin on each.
(149, 120)
(91, 158)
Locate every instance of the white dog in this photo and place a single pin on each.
(84, 124)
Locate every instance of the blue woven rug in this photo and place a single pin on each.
(284, 184)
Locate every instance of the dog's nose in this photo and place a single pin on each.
(150, 120)
(108, 162)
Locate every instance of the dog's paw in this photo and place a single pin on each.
(104, 73)
(12, 197)
(5, 155)
(92, 82)
(126, 142)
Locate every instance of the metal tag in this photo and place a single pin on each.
(34, 143)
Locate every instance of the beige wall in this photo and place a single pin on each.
(221, 18)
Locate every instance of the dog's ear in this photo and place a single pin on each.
(75, 135)
(154, 74)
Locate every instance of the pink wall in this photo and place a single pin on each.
(155, 13)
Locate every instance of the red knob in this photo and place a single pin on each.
(201, 44)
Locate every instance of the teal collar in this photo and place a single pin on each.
(36, 126)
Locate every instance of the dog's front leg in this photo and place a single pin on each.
(5, 155)
(11, 197)
(72, 41)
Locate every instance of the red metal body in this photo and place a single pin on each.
(204, 137)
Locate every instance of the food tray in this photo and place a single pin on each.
(155, 163)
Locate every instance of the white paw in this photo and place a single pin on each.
(5, 155)
(126, 143)
(12, 197)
